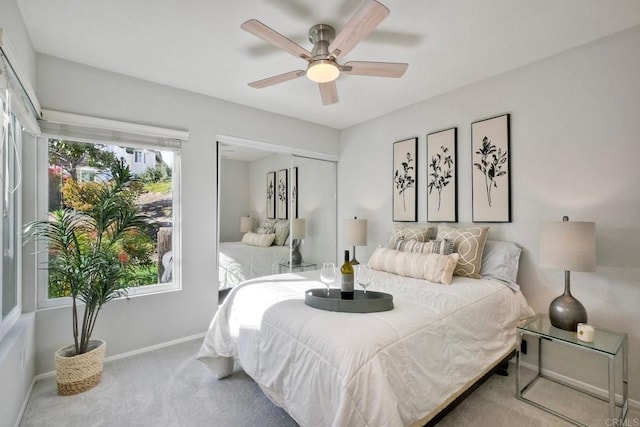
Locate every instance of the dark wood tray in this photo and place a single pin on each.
(369, 302)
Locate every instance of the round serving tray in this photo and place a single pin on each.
(369, 302)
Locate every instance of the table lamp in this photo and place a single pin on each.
(298, 228)
(246, 223)
(568, 246)
(355, 234)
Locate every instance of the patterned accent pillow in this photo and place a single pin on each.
(469, 244)
(282, 232)
(442, 247)
(421, 233)
(260, 240)
(435, 268)
(268, 226)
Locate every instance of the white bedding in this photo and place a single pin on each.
(239, 262)
(378, 369)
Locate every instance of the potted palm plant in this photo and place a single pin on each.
(88, 259)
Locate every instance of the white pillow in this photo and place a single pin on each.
(432, 267)
(256, 239)
(500, 260)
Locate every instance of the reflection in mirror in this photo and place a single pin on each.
(313, 204)
(276, 213)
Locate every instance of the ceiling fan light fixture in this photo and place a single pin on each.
(323, 71)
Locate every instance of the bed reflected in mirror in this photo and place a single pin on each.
(276, 213)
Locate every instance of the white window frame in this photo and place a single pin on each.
(103, 128)
(9, 319)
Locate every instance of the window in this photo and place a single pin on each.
(80, 153)
(76, 169)
(139, 157)
(10, 145)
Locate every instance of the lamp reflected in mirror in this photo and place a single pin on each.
(246, 224)
(298, 231)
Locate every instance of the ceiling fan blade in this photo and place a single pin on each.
(328, 92)
(280, 78)
(258, 29)
(375, 69)
(370, 14)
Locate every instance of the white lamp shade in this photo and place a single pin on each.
(246, 223)
(355, 232)
(569, 246)
(298, 228)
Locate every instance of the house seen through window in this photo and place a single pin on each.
(77, 170)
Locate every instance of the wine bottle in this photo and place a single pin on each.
(346, 282)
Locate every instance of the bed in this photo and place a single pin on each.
(393, 368)
(238, 262)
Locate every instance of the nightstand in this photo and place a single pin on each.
(283, 267)
(606, 343)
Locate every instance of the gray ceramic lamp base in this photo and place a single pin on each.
(565, 312)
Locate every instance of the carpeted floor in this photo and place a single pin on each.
(169, 387)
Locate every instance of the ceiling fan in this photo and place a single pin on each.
(323, 66)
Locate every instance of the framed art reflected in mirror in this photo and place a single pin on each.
(271, 195)
(282, 188)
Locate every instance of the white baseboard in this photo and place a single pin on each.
(578, 384)
(132, 353)
(25, 403)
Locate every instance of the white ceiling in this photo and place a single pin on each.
(198, 45)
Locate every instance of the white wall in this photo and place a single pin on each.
(17, 348)
(234, 198)
(149, 320)
(575, 148)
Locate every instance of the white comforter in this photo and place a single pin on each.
(378, 369)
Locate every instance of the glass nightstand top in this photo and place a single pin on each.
(605, 341)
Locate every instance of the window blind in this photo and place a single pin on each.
(23, 102)
(94, 129)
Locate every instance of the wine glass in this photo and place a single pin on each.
(363, 276)
(328, 274)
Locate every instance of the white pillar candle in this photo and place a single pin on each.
(585, 332)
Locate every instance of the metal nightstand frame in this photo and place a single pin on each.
(561, 338)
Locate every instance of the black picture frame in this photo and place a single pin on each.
(442, 176)
(294, 192)
(491, 169)
(405, 177)
(271, 195)
(282, 189)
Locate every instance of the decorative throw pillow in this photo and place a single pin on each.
(442, 247)
(421, 233)
(500, 260)
(260, 240)
(469, 244)
(432, 267)
(268, 226)
(282, 232)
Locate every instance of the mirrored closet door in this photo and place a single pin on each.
(276, 212)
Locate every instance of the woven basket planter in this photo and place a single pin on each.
(75, 374)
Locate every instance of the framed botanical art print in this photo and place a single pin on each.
(282, 188)
(405, 170)
(442, 174)
(294, 192)
(271, 195)
(491, 174)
